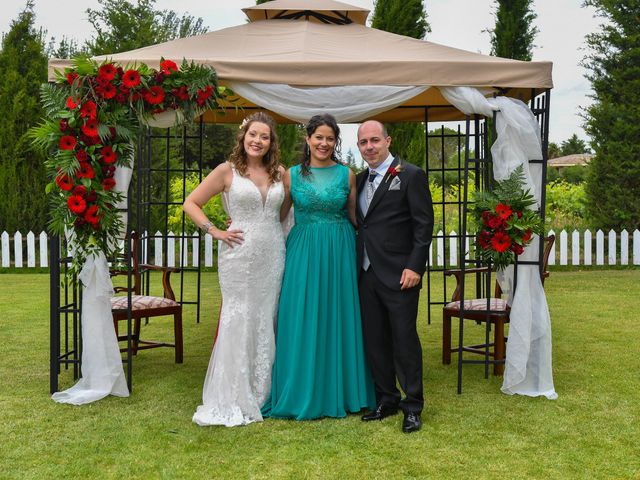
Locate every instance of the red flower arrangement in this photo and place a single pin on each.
(504, 220)
(93, 112)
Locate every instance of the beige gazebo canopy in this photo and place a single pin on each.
(287, 42)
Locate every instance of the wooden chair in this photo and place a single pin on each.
(145, 306)
(476, 309)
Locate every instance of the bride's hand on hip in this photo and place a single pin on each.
(230, 237)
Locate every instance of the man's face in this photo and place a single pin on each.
(373, 145)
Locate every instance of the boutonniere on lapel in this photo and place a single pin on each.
(393, 176)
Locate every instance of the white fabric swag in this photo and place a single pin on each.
(528, 369)
(102, 372)
(346, 103)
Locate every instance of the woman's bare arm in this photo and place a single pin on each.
(286, 204)
(218, 181)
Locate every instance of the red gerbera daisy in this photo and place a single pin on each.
(64, 182)
(108, 155)
(82, 155)
(79, 190)
(71, 77)
(85, 171)
(76, 204)
(517, 249)
(108, 91)
(90, 128)
(107, 71)
(203, 95)
(131, 79)
(108, 183)
(88, 109)
(168, 66)
(501, 242)
(91, 215)
(181, 93)
(495, 222)
(485, 239)
(154, 95)
(67, 142)
(71, 103)
(92, 196)
(503, 211)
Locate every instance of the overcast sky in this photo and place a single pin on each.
(457, 23)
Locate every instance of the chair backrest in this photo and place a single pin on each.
(134, 243)
(548, 245)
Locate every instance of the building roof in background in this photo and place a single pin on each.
(575, 160)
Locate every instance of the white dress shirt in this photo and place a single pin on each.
(381, 170)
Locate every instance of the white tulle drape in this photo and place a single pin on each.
(528, 369)
(102, 372)
(346, 103)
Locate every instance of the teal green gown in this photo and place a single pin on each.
(320, 368)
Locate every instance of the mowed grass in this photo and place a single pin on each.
(591, 431)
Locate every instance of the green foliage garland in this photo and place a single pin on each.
(93, 113)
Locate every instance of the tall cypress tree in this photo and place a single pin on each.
(23, 68)
(514, 32)
(404, 17)
(613, 120)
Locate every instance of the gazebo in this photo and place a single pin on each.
(295, 58)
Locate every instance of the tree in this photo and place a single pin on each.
(514, 32)
(554, 150)
(22, 173)
(291, 140)
(121, 25)
(613, 119)
(574, 145)
(66, 48)
(444, 150)
(404, 17)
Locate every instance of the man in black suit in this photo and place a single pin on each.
(395, 224)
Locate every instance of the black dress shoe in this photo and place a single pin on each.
(381, 411)
(411, 423)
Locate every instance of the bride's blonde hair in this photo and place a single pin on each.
(271, 159)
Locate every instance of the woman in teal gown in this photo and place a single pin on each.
(320, 368)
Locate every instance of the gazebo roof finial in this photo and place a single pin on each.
(320, 11)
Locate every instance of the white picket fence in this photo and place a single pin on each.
(576, 248)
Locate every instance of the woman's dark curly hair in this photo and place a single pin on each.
(271, 160)
(315, 122)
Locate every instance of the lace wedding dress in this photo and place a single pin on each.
(238, 379)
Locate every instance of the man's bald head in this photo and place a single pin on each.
(373, 142)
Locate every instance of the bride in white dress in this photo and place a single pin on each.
(250, 266)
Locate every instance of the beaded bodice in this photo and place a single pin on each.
(322, 196)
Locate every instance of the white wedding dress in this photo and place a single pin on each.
(238, 380)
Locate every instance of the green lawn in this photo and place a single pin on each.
(591, 431)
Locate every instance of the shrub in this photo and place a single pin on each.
(213, 209)
(566, 206)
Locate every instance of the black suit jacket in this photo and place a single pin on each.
(398, 225)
